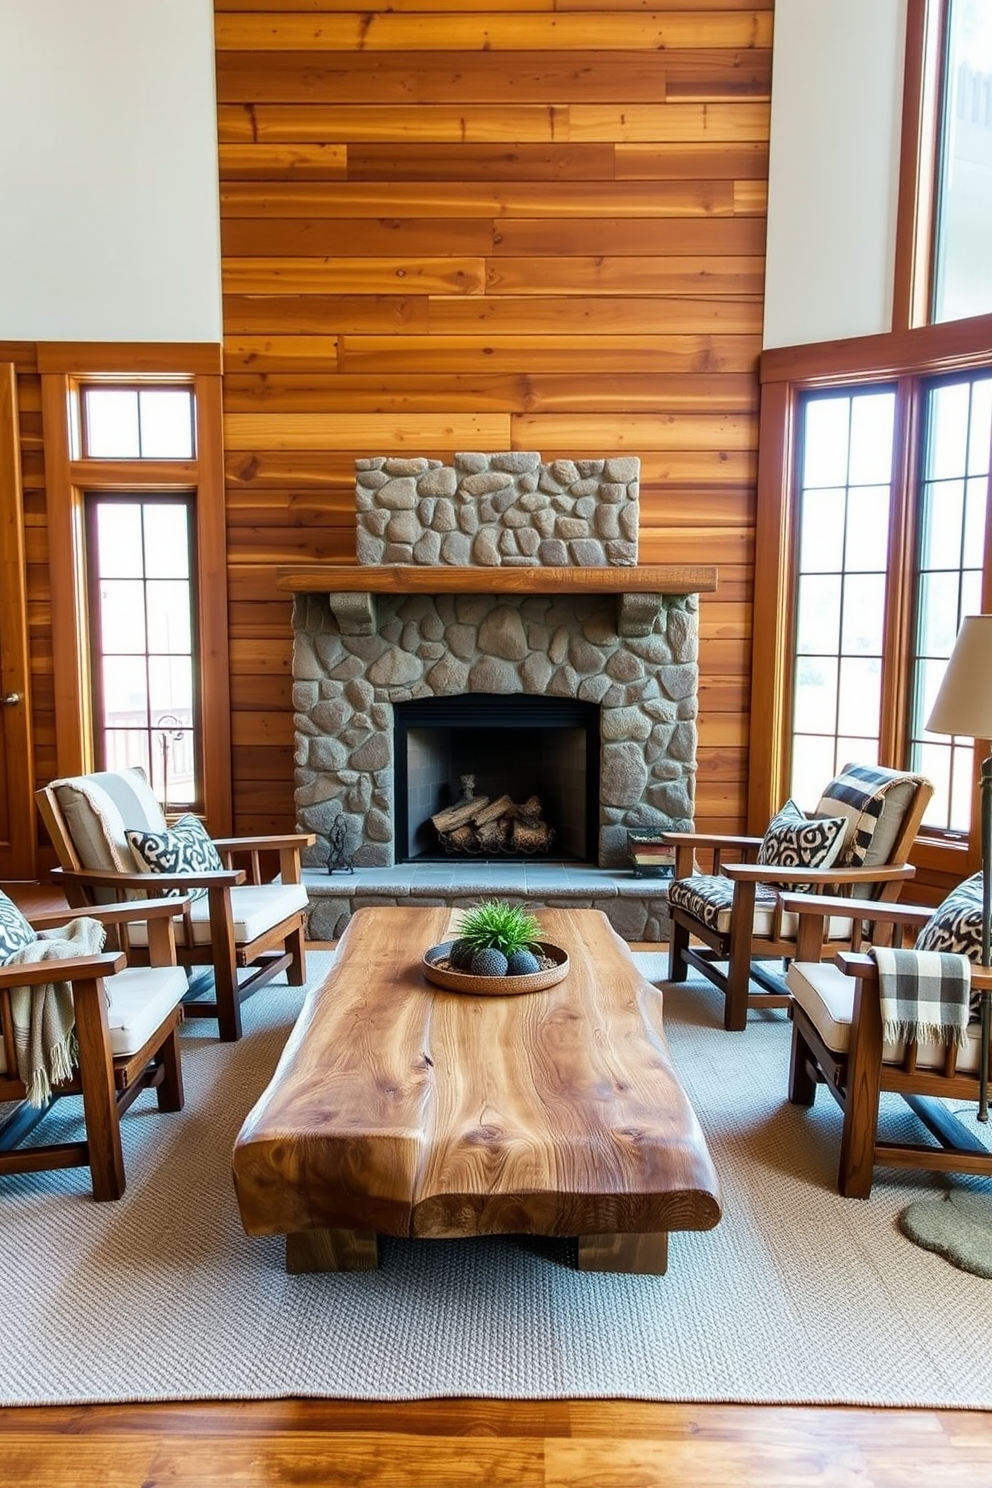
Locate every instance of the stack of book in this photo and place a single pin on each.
(650, 856)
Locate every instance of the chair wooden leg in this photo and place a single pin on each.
(677, 943)
(802, 1083)
(861, 1098)
(296, 973)
(225, 967)
(228, 1000)
(96, 1072)
(170, 1094)
(739, 959)
(738, 984)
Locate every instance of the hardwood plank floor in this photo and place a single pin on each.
(490, 1443)
(461, 1443)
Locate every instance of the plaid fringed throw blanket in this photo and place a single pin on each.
(925, 996)
(43, 1015)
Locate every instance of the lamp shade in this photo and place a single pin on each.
(964, 702)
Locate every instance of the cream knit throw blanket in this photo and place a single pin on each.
(44, 1016)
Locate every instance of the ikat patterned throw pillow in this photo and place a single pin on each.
(15, 932)
(184, 848)
(795, 840)
(956, 924)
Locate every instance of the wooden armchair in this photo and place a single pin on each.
(737, 911)
(237, 920)
(126, 1024)
(837, 1041)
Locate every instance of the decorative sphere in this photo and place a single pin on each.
(522, 963)
(489, 962)
(460, 955)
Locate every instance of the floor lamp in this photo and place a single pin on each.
(964, 706)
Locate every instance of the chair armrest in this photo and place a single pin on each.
(686, 843)
(769, 873)
(869, 909)
(112, 914)
(859, 964)
(288, 847)
(709, 839)
(73, 968)
(112, 878)
(160, 915)
(264, 844)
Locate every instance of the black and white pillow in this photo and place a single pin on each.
(15, 932)
(956, 924)
(795, 840)
(184, 848)
(873, 799)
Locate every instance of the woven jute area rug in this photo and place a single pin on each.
(797, 1296)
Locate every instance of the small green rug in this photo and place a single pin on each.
(958, 1227)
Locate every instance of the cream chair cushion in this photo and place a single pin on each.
(256, 908)
(140, 999)
(826, 996)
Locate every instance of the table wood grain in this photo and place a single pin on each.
(399, 1108)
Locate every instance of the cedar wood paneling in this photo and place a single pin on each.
(531, 226)
(539, 227)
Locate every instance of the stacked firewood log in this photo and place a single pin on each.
(483, 826)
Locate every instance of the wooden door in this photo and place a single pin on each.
(18, 831)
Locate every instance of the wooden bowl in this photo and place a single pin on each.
(491, 986)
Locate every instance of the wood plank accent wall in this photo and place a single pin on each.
(506, 224)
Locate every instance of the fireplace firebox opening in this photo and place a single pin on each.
(517, 746)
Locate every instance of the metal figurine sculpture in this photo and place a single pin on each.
(338, 861)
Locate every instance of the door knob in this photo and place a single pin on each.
(10, 698)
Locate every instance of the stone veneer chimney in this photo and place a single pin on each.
(356, 654)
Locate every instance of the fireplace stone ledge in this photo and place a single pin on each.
(637, 908)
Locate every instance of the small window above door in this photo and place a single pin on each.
(130, 423)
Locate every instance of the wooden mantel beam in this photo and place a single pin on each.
(340, 578)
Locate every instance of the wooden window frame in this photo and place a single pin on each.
(904, 358)
(64, 367)
(916, 211)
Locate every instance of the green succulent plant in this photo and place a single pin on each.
(496, 925)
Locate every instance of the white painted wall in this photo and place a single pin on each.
(109, 220)
(109, 223)
(837, 68)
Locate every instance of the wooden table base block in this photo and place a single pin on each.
(644, 1254)
(331, 1250)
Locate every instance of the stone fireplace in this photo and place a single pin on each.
(499, 579)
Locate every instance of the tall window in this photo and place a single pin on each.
(943, 268)
(963, 218)
(858, 538)
(953, 508)
(137, 556)
(876, 542)
(143, 639)
(842, 561)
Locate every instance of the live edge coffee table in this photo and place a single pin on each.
(399, 1108)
